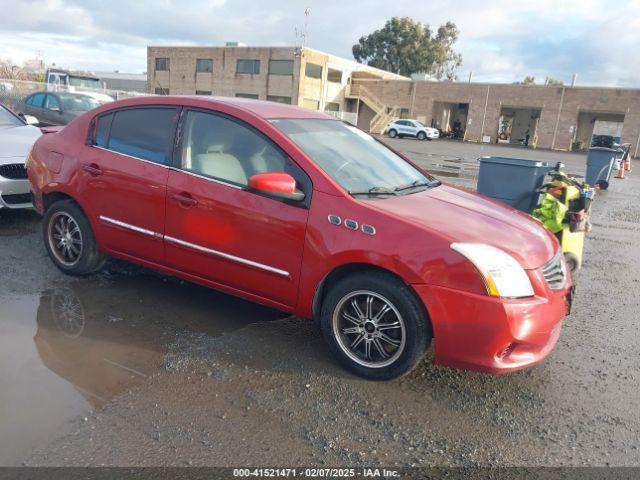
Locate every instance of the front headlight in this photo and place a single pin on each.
(502, 273)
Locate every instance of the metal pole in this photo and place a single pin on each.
(555, 130)
(484, 116)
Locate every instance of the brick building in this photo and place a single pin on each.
(554, 117)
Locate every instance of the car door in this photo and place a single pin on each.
(412, 128)
(404, 127)
(219, 230)
(52, 110)
(123, 178)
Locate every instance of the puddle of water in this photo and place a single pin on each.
(73, 348)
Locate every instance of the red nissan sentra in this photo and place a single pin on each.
(296, 210)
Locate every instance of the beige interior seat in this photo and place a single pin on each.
(216, 163)
(265, 160)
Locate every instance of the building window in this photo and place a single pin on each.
(162, 91)
(332, 107)
(334, 75)
(204, 65)
(247, 95)
(162, 64)
(248, 66)
(280, 67)
(312, 70)
(279, 99)
(203, 92)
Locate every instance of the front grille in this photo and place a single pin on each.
(554, 272)
(13, 171)
(17, 199)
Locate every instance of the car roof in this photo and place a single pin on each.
(261, 108)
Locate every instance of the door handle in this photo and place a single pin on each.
(185, 199)
(92, 169)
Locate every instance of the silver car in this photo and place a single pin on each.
(16, 140)
(411, 128)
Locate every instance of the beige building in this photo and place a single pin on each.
(298, 76)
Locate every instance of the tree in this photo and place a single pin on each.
(528, 80)
(11, 71)
(553, 81)
(405, 46)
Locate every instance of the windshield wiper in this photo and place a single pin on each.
(415, 184)
(375, 191)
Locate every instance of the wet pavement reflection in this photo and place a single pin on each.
(74, 347)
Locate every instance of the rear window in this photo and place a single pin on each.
(145, 133)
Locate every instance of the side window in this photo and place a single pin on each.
(145, 133)
(51, 103)
(37, 100)
(218, 147)
(103, 127)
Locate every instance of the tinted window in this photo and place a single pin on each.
(313, 71)
(281, 67)
(204, 65)
(221, 148)
(102, 130)
(162, 64)
(145, 133)
(37, 100)
(248, 66)
(51, 103)
(334, 75)
(279, 99)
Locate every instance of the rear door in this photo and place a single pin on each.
(219, 230)
(124, 178)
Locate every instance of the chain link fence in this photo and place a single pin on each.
(14, 91)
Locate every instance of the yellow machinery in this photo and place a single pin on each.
(564, 208)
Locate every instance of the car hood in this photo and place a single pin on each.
(462, 216)
(17, 141)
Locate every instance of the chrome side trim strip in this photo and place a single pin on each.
(127, 226)
(131, 156)
(233, 258)
(211, 179)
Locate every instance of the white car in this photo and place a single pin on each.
(17, 136)
(411, 128)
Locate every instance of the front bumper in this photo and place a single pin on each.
(489, 334)
(15, 193)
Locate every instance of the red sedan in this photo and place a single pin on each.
(298, 211)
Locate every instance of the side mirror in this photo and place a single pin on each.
(276, 184)
(30, 119)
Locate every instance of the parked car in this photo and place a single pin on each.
(56, 108)
(299, 211)
(17, 137)
(411, 128)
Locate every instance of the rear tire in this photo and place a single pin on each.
(69, 239)
(422, 136)
(392, 133)
(375, 326)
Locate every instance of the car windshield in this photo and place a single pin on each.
(360, 164)
(79, 103)
(8, 119)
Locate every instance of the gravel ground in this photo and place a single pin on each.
(222, 382)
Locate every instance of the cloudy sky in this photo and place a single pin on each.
(501, 41)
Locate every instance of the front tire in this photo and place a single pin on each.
(69, 239)
(375, 326)
(392, 133)
(422, 136)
